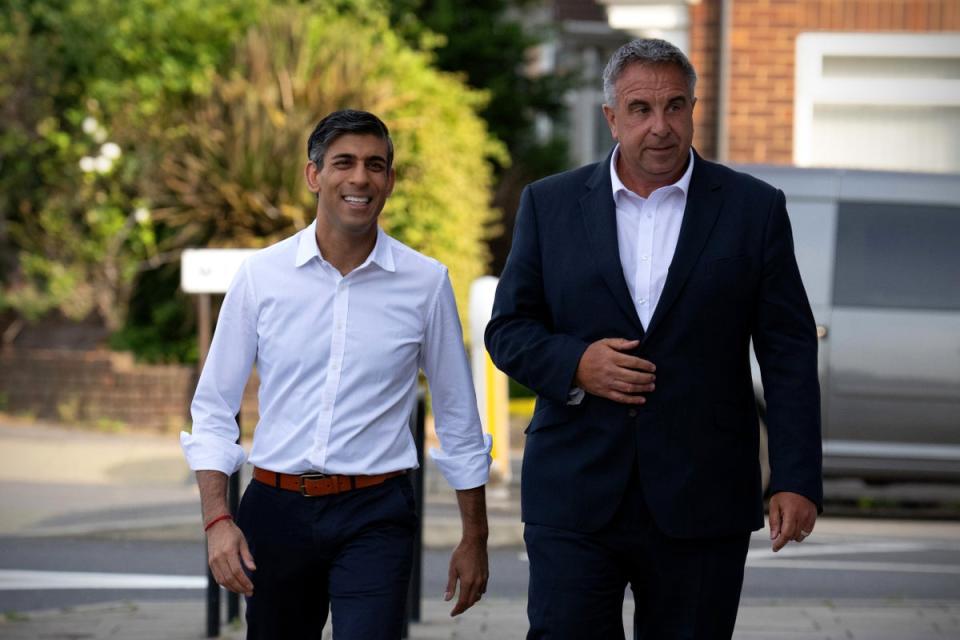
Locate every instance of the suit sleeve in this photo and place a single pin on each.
(520, 336)
(785, 342)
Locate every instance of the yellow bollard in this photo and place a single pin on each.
(498, 418)
(490, 383)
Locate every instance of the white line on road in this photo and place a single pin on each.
(852, 565)
(18, 580)
(786, 559)
(794, 550)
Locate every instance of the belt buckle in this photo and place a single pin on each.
(310, 476)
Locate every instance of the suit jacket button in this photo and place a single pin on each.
(632, 413)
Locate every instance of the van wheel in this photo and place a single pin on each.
(764, 459)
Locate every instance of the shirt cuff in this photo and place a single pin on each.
(210, 453)
(465, 470)
(575, 396)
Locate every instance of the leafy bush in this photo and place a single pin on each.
(132, 130)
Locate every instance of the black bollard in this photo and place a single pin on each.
(414, 592)
(233, 493)
(233, 501)
(213, 606)
(213, 589)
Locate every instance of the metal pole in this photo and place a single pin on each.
(203, 328)
(414, 593)
(233, 498)
(213, 606)
(203, 347)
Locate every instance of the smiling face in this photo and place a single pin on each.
(352, 185)
(652, 119)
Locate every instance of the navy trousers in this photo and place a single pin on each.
(682, 589)
(349, 554)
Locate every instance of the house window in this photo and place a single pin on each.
(878, 101)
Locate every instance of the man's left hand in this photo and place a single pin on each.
(792, 518)
(468, 565)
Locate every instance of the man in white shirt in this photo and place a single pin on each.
(339, 319)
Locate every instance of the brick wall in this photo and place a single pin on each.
(763, 44)
(101, 388)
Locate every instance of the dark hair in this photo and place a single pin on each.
(344, 121)
(645, 51)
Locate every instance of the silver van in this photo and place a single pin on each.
(879, 253)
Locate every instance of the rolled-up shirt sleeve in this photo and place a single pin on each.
(464, 453)
(212, 444)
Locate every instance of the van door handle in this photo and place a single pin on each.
(821, 331)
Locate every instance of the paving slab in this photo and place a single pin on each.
(502, 619)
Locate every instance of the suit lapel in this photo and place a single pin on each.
(704, 201)
(600, 216)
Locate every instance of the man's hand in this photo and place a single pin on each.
(606, 371)
(792, 518)
(227, 550)
(468, 565)
(227, 555)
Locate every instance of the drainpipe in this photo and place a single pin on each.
(723, 80)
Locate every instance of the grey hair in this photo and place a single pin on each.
(645, 51)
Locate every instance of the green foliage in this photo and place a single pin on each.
(485, 42)
(131, 130)
(480, 40)
(82, 247)
(89, 87)
(161, 323)
(517, 390)
(235, 176)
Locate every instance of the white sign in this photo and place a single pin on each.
(210, 270)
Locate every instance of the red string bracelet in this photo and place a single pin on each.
(225, 516)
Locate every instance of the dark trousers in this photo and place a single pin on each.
(348, 553)
(682, 589)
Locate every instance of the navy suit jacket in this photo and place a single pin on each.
(695, 442)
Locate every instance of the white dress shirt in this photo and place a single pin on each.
(338, 358)
(647, 233)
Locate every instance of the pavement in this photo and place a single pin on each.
(137, 486)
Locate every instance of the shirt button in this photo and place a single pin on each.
(642, 301)
(632, 413)
(644, 258)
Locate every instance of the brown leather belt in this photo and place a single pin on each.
(319, 484)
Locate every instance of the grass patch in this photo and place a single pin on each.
(15, 616)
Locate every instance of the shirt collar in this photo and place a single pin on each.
(382, 254)
(618, 187)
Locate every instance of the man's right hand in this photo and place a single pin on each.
(606, 371)
(227, 554)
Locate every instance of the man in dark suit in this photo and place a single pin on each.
(628, 302)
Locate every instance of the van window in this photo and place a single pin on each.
(897, 256)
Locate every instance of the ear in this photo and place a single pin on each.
(611, 117)
(391, 180)
(312, 173)
(693, 103)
